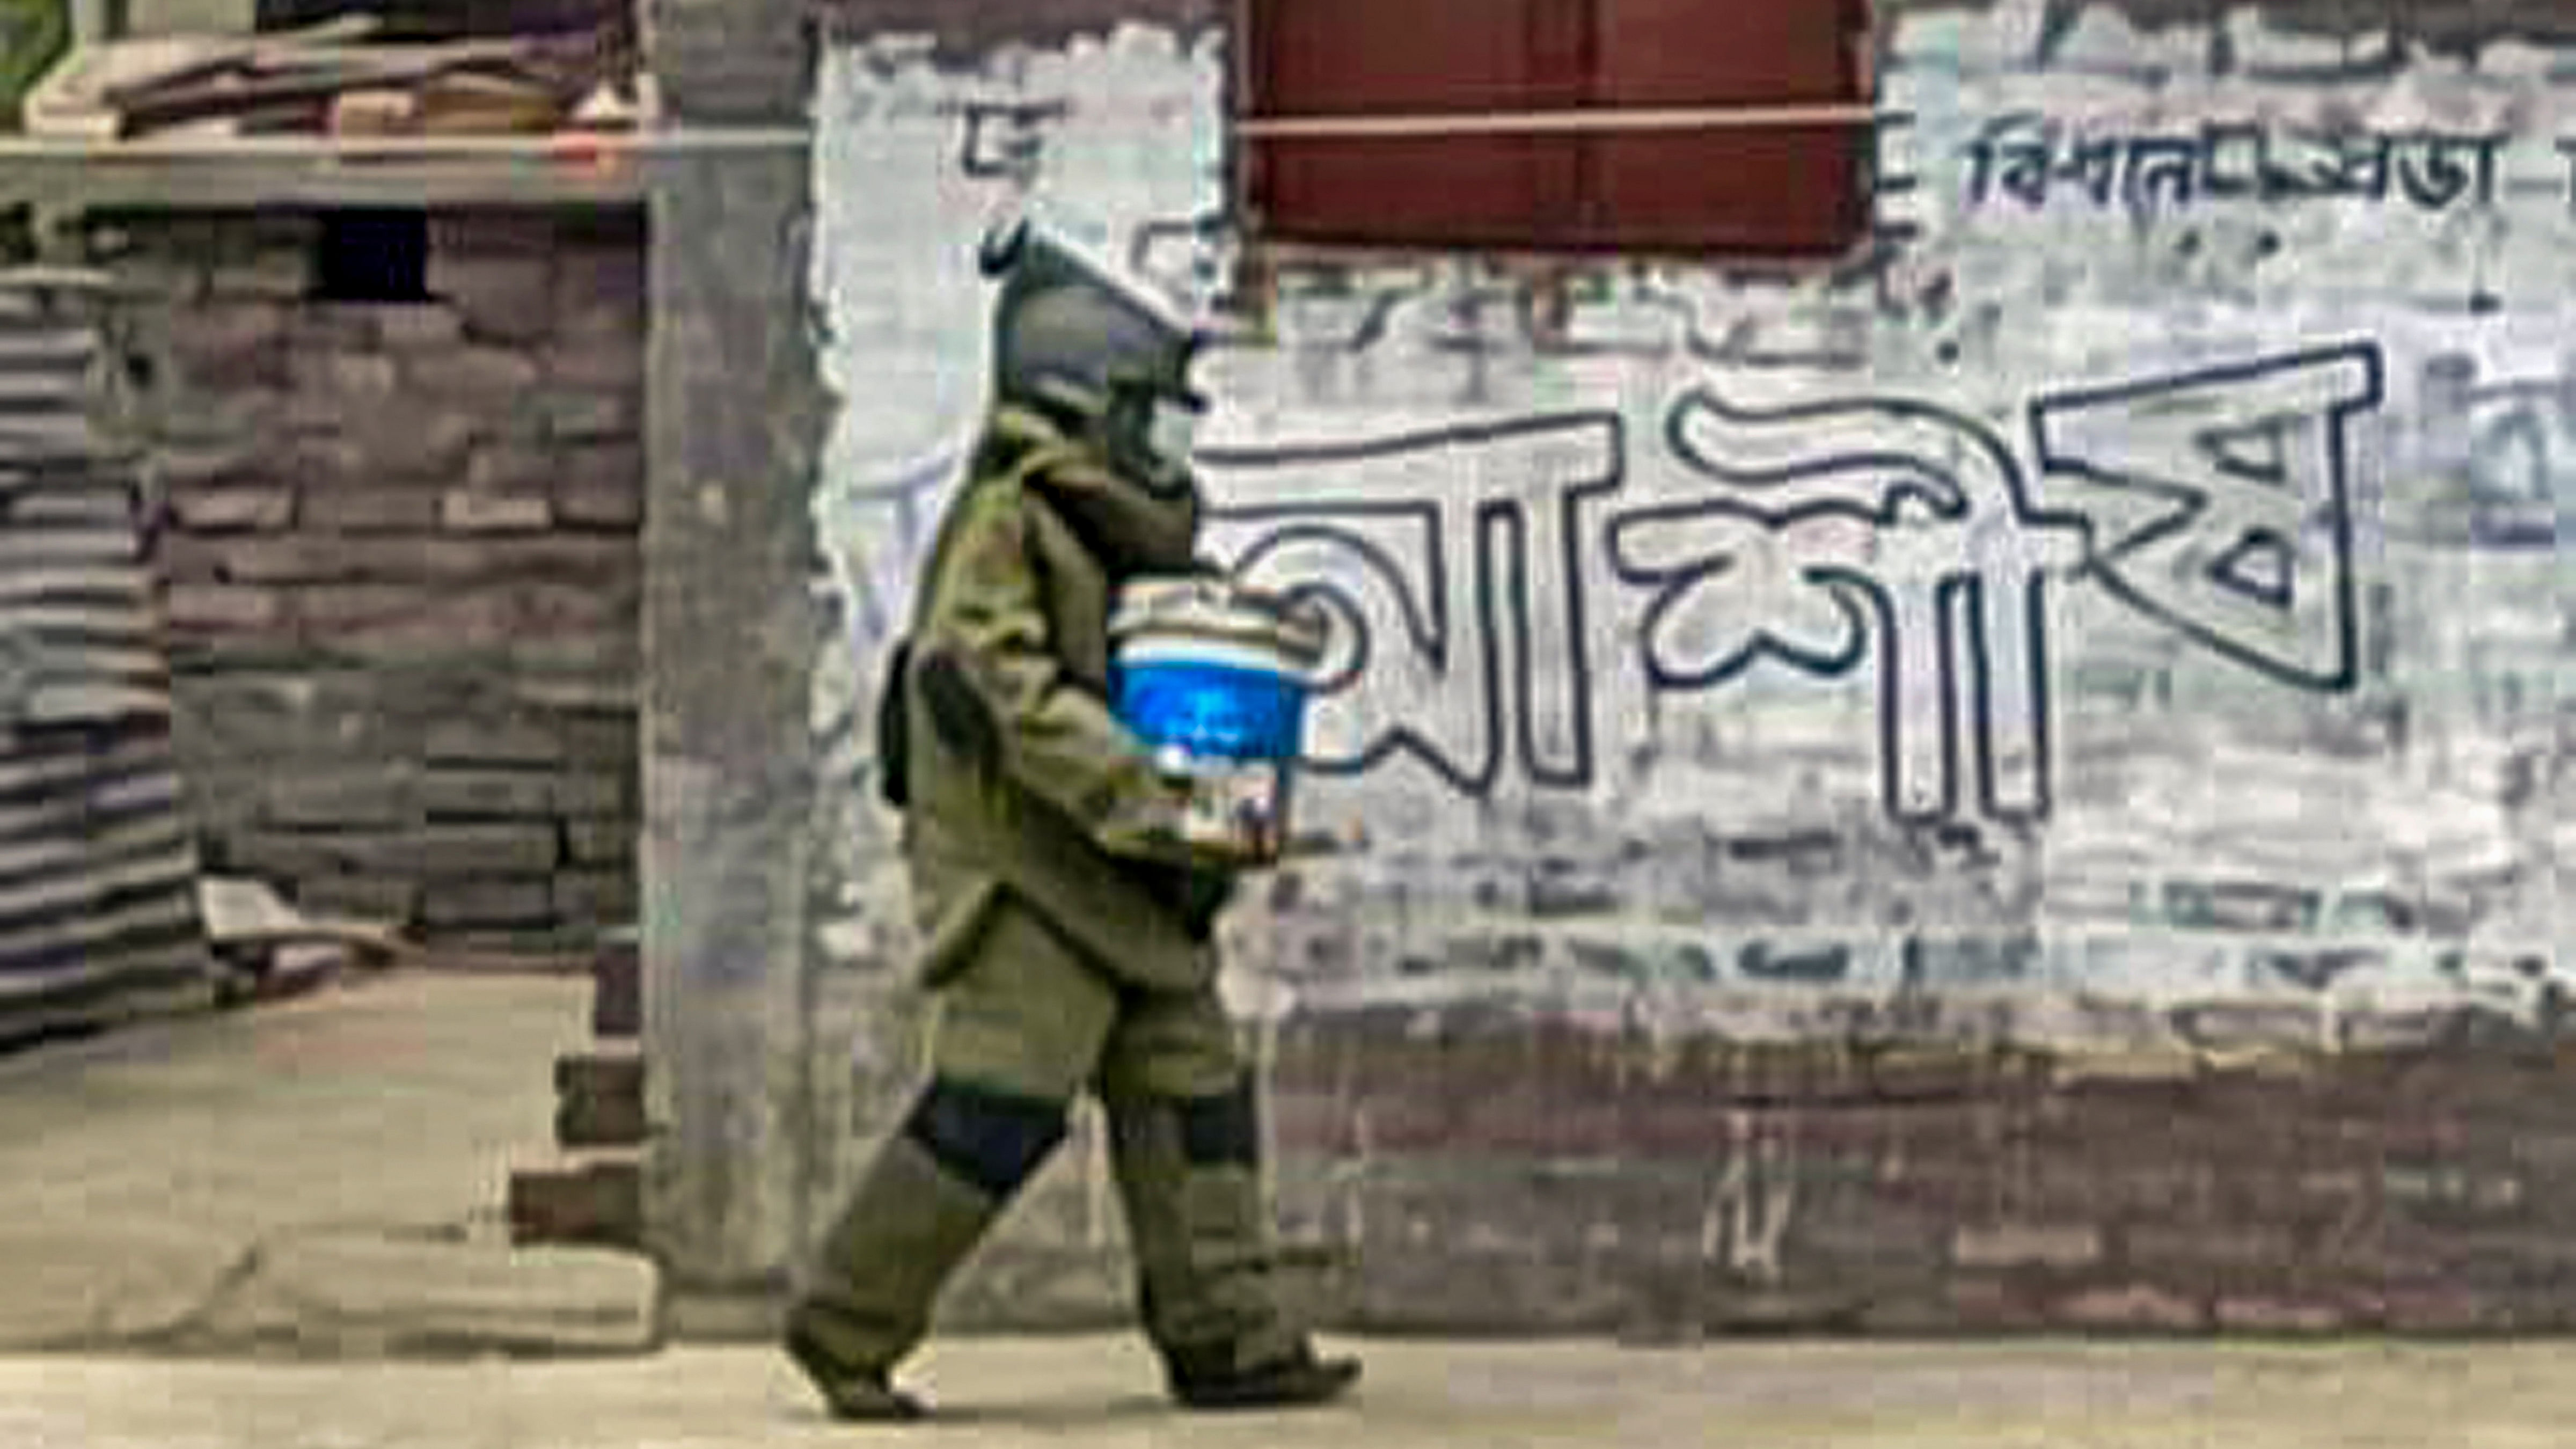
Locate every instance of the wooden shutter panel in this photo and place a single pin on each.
(1767, 189)
(1403, 57)
(1786, 189)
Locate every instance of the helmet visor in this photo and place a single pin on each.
(1172, 428)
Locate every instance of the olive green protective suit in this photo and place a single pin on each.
(1067, 940)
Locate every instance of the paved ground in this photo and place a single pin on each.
(326, 1172)
(1098, 1393)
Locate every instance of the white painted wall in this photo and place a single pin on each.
(1991, 625)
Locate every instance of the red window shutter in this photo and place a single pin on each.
(1704, 52)
(1407, 57)
(1357, 57)
(1766, 189)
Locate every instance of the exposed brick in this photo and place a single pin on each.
(371, 510)
(161, 278)
(599, 1204)
(333, 326)
(2217, 1247)
(1934, 1072)
(311, 411)
(229, 344)
(592, 693)
(534, 938)
(600, 842)
(411, 622)
(1842, 1219)
(589, 415)
(365, 898)
(276, 273)
(2450, 1193)
(591, 795)
(234, 509)
(250, 418)
(2435, 1309)
(286, 853)
(614, 279)
(2135, 1306)
(485, 902)
(511, 468)
(219, 607)
(486, 375)
(469, 510)
(609, 740)
(2015, 1245)
(2077, 1070)
(602, 348)
(549, 612)
(448, 794)
(617, 505)
(477, 741)
(297, 558)
(341, 799)
(351, 607)
(1738, 1309)
(506, 296)
(407, 327)
(608, 464)
(204, 464)
(1910, 1315)
(435, 850)
(595, 897)
(1986, 1305)
(589, 562)
(455, 235)
(416, 440)
(2264, 1315)
(593, 674)
(2283, 1029)
(364, 376)
(617, 991)
(599, 1101)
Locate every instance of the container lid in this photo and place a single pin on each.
(1216, 607)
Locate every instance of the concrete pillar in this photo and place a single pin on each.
(735, 420)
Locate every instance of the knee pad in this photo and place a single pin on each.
(994, 1140)
(1222, 1130)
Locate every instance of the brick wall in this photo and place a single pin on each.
(402, 562)
(1486, 1169)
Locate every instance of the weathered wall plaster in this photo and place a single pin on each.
(2151, 551)
(2124, 615)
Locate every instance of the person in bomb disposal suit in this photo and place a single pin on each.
(1069, 934)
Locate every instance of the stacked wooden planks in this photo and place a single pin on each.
(99, 919)
(334, 78)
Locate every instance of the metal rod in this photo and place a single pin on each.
(1693, 118)
(327, 148)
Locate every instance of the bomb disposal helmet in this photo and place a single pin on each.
(1099, 352)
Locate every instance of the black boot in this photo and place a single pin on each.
(1296, 1380)
(926, 1200)
(904, 1230)
(1189, 1178)
(853, 1397)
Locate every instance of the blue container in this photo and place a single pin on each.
(1211, 709)
(1212, 677)
(1213, 669)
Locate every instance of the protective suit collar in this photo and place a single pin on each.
(1132, 530)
